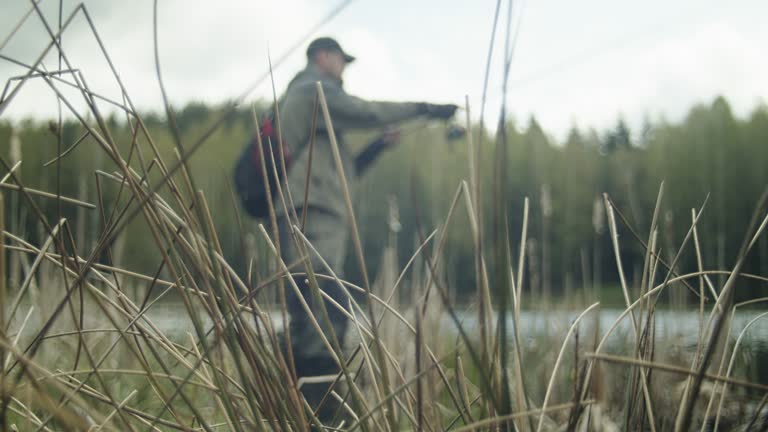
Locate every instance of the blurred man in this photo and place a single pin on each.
(327, 228)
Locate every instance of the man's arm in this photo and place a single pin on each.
(351, 112)
(373, 150)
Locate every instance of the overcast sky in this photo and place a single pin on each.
(579, 63)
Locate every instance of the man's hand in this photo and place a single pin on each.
(390, 136)
(440, 111)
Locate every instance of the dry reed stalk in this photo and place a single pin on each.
(644, 345)
(731, 362)
(625, 290)
(229, 358)
(3, 326)
(522, 414)
(3, 293)
(720, 309)
(639, 301)
(522, 397)
(16, 165)
(43, 194)
(357, 244)
(676, 369)
(628, 226)
(560, 355)
(371, 362)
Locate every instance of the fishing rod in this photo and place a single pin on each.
(390, 136)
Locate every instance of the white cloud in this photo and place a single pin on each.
(428, 50)
(209, 53)
(662, 77)
(376, 74)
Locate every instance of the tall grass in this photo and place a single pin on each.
(81, 352)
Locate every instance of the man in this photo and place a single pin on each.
(327, 228)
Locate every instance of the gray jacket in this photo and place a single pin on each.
(347, 113)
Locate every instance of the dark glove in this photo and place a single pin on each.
(439, 111)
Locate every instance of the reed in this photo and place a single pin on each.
(88, 352)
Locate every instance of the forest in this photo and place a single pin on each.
(710, 159)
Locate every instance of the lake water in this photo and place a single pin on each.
(678, 327)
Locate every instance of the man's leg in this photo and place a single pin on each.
(327, 232)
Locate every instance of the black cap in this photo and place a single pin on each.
(327, 44)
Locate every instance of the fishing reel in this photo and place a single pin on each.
(452, 131)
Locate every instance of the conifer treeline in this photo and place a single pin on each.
(709, 152)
